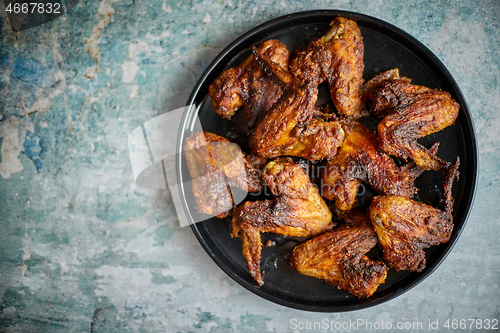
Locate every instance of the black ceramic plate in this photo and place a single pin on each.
(386, 47)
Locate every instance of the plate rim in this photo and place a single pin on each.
(464, 112)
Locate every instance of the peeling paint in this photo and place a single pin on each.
(135, 88)
(26, 256)
(44, 103)
(11, 148)
(129, 69)
(22, 269)
(13, 131)
(166, 8)
(207, 19)
(107, 12)
(64, 268)
(137, 48)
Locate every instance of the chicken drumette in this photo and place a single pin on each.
(215, 164)
(405, 227)
(338, 257)
(411, 112)
(298, 210)
(359, 160)
(248, 86)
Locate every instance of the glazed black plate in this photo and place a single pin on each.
(386, 47)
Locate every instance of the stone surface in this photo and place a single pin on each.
(82, 248)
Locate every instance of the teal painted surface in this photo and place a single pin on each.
(82, 248)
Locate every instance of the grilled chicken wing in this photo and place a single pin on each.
(338, 257)
(405, 227)
(289, 128)
(298, 210)
(412, 112)
(336, 58)
(247, 86)
(215, 164)
(359, 160)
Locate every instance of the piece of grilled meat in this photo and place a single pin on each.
(298, 210)
(338, 59)
(405, 227)
(215, 164)
(291, 128)
(411, 112)
(339, 257)
(357, 160)
(248, 86)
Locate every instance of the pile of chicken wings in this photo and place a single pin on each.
(278, 94)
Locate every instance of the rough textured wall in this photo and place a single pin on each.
(84, 249)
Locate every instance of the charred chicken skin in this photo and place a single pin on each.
(411, 112)
(358, 159)
(289, 128)
(405, 227)
(215, 164)
(248, 86)
(375, 83)
(298, 210)
(338, 257)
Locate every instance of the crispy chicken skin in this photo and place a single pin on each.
(338, 257)
(289, 128)
(376, 82)
(405, 227)
(411, 112)
(338, 59)
(358, 159)
(214, 164)
(298, 210)
(247, 86)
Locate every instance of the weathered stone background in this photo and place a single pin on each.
(82, 248)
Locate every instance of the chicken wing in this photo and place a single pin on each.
(405, 227)
(359, 160)
(289, 128)
(338, 59)
(412, 112)
(215, 164)
(338, 257)
(298, 210)
(247, 85)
